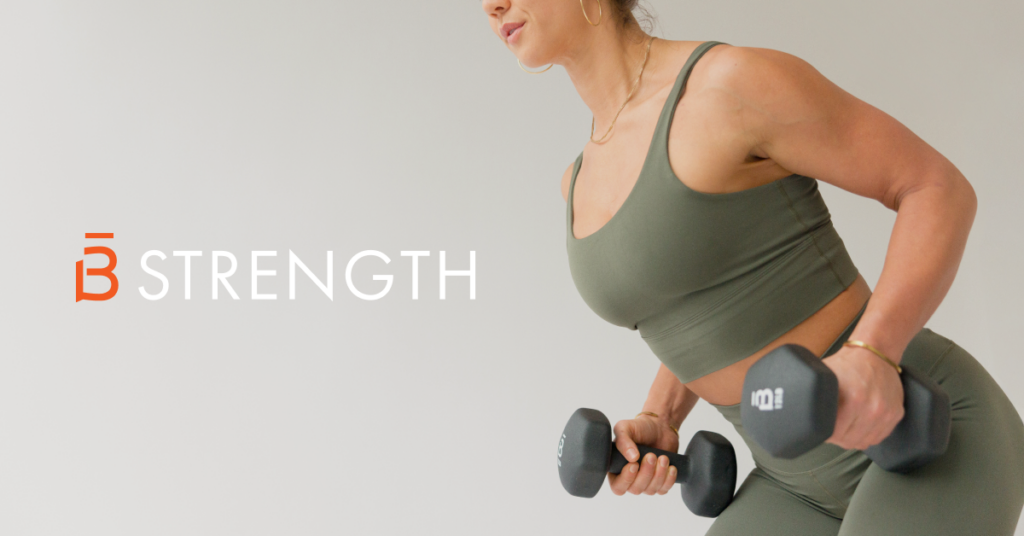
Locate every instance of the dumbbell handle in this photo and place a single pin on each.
(680, 461)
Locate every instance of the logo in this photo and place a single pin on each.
(223, 266)
(107, 271)
(766, 400)
(561, 443)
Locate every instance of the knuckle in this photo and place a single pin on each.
(856, 397)
(884, 410)
(875, 410)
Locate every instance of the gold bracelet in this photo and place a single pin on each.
(875, 351)
(655, 415)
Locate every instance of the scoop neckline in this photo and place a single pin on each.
(678, 88)
(667, 120)
(572, 191)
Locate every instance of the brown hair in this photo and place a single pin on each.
(630, 11)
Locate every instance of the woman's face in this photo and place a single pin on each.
(539, 32)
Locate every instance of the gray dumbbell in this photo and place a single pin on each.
(791, 398)
(586, 453)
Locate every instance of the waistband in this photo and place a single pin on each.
(845, 335)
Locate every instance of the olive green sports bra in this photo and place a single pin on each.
(708, 279)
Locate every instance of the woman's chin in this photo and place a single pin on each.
(531, 62)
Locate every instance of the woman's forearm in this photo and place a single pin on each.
(927, 243)
(669, 398)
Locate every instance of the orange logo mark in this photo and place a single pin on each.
(107, 271)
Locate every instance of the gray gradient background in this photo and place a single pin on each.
(316, 126)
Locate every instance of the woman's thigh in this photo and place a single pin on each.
(763, 508)
(976, 487)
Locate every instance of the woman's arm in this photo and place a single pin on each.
(671, 401)
(669, 398)
(925, 248)
(792, 114)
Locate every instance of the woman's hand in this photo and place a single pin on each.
(870, 398)
(653, 474)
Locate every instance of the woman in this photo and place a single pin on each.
(692, 216)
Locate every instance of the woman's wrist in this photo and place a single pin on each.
(861, 344)
(669, 399)
(670, 414)
(662, 421)
(884, 337)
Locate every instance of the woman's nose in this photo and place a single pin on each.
(495, 7)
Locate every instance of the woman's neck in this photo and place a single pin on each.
(604, 66)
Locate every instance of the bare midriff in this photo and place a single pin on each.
(816, 333)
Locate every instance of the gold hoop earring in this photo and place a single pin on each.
(600, 12)
(534, 72)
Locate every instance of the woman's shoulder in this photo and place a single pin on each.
(733, 95)
(744, 70)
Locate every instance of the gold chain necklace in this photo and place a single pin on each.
(630, 96)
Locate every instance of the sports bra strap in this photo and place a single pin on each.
(669, 110)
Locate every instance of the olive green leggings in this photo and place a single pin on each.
(976, 488)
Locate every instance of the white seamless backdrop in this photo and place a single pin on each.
(344, 126)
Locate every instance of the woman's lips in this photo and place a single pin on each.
(513, 30)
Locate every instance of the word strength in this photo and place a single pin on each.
(225, 281)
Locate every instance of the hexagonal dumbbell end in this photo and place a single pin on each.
(584, 452)
(711, 479)
(790, 400)
(923, 433)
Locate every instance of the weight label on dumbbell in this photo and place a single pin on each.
(766, 399)
(561, 443)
